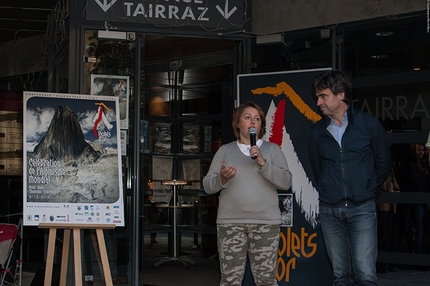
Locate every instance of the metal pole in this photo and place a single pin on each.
(333, 49)
(175, 223)
(136, 165)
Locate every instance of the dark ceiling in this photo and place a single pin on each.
(24, 18)
(397, 45)
(405, 49)
(369, 47)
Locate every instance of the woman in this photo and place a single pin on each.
(248, 214)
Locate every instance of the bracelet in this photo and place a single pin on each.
(259, 166)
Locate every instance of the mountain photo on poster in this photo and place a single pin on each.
(67, 166)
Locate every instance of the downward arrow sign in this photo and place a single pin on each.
(226, 14)
(105, 6)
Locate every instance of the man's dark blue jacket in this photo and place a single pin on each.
(350, 174)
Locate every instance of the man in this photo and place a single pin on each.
(350, 159)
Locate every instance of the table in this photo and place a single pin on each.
(175, 257)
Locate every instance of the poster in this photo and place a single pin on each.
(286, 99)
(72, 159)
(113, 85)
(286, 209)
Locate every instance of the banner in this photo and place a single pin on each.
(286, 99)
(213, 15)
(72, 161)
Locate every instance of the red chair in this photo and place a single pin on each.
(9, 248)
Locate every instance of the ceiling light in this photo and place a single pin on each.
(417, 69)
(384, 34)
(269, 39)
(113, 35)
(378, 56)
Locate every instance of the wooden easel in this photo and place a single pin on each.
(77, 251)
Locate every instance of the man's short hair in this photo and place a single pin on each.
(335, 80)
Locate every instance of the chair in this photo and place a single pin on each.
(9, 248)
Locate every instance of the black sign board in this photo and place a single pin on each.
(208, 14)
(290, 111)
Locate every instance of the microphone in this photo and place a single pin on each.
(252, 134)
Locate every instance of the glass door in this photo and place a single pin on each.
(186, 101)
(187, 104)
(109, 69)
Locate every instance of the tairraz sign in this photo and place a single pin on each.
(208, 14)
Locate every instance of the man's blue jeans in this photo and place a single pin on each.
(350, 235)
(419, 212)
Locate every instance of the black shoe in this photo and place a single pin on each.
(392, 269)
(382, 270)
(422, 268)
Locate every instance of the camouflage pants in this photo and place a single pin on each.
(259, 242)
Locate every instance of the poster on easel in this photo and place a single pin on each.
(290, 110)
(72, 159)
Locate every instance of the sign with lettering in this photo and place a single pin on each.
(213, 14)
(290, 111)
(399, 107)
(72, 159)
